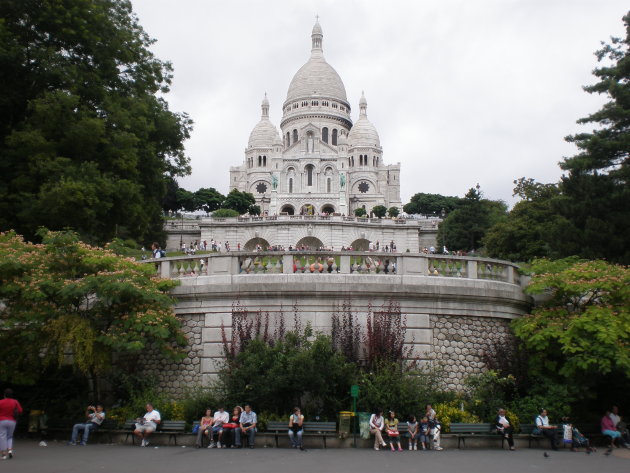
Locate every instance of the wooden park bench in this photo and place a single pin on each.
(311, 429)
(172, 428)
(464, 431)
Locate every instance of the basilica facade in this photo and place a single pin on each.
(321, 162)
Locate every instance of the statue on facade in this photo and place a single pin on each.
(342, 180)
(274, 182)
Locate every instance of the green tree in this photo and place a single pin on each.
(208, 199)
(530, 227)
(66, 302)
(581, 329)
(254, 210)
(431, 204)
(239, 201)
(393, 212)
(360, 212)
(465, 227)
(186, 200)
(379, 211)
(85, 140)
(596, 191)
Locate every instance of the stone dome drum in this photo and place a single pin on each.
(264, 135)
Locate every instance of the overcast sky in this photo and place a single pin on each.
(461, 92)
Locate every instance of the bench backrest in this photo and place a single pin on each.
(460, 428)
(274, 425)
(108, 424)
(130, 424)
(527, 428)
(320, 426)
(173, 425)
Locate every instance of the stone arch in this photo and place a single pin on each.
(288, 208)
(361, 244)
(310, 242)
(251, 244)
(307, 209)
(328, 208)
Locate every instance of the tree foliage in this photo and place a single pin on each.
(379, 211)
(596, 191)
(360, 212)
(239, 201)
(85, 142)
(393, 212)
(66, 302)
(530, 228)
(582, 326)
(431, 204)
(465, 227)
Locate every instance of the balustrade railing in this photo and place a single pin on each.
(336, 262)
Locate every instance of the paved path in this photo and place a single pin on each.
(59, 458)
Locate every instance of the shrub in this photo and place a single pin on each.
(225, 213)
(452, 412)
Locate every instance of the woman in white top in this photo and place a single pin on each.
(376, 426)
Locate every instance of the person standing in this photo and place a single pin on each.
(95, 417)
(247, 427)
(296, 428)
(10, 409)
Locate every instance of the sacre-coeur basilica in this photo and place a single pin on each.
(320, 162)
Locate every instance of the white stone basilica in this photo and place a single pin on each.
(322, 163)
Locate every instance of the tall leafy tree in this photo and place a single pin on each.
(85, 140)
(530, 227)
(239, 201)
(596, 190)
(431, 204)
(66, 302)
(379, 211)
(208, 199)
(465, 227)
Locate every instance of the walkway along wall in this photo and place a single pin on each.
(454, 306)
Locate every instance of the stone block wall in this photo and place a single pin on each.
(459, 344)
(175, 379)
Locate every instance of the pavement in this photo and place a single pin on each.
(59, 458)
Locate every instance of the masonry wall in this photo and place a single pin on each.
(450, 320)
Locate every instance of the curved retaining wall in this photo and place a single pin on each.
(450, 318)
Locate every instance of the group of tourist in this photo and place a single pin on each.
(223, 430)
(425, 433)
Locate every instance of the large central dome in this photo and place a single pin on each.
(316, 77)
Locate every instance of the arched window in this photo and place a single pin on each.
(329, 185)
(309, 175)
(290, 185)
(259, 161)
(295, 137)
(334, 137)
(288, 139)
(325, 135)
(265, 161)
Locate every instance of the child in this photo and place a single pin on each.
(412, 427)
(391, 427)
(424, 432)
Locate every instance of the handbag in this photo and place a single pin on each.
(393, 433)
(230, 425)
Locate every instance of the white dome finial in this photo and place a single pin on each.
(265, 106)
(363, 104)
(317, 36)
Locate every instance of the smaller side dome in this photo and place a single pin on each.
(264, 134)
(363, 132)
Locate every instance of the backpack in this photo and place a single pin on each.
(162, 254)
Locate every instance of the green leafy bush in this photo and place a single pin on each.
(451, 412)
